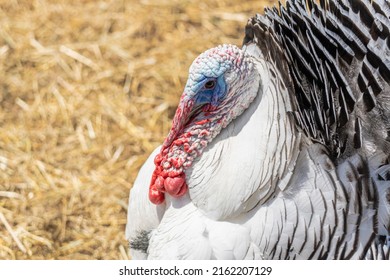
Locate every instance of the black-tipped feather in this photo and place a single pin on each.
(337, 57)
(140, 242)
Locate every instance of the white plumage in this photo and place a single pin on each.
(287, 178)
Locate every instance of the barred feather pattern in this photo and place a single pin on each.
(335, 59)
(316, 182)
(326, 212)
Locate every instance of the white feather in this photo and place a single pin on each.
(142, 215)
(261, 189)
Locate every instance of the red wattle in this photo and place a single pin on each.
(158, 159)
(182, 191)
(168, 175)
(159, 183)
(174, 185)
(155, 196)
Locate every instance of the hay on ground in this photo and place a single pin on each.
(87, 90)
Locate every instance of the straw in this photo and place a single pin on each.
(87, 90)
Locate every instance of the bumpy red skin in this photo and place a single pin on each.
(188, 137)
(173, 182)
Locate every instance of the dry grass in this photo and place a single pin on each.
(87, 90)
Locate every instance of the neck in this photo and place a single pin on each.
(247, 161)
(280, 147)
(174, 159)
(178, 154)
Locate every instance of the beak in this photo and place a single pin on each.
(183, 114)
(196, 109)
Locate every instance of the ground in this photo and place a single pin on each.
(87, 91)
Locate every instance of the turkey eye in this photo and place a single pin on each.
(209, 84)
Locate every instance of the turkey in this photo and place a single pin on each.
(279, 149)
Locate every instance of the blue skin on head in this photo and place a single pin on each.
(205, 69)
(204, 94)
(206, 90)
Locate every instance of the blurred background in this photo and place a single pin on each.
(87, 91)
